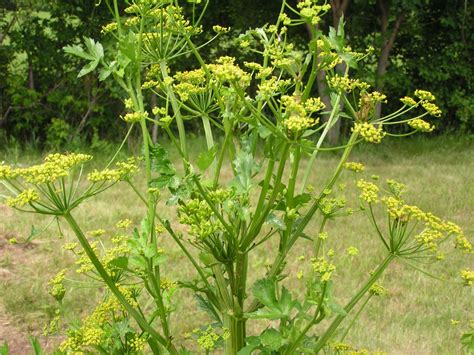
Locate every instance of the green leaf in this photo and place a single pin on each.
(78, 51)
(86, 69)
(252, 344)
(4, 350)
(245, 167)
(121, 262)
(265, 291)
(272, 339)
(205, 159)
(468, 341)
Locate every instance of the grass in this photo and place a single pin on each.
(413, 319)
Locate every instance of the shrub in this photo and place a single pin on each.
(266, 134)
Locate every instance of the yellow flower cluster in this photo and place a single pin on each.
(397, 188)
(272, 87)
(352, 251)
(407, 100)
(54, 167)
(7, 172)
(124, 223)
(353, 166)
(424, 95)
(312, 12)
(97, 233)
(435, 229)
(25, 197)
(133, 117)
(468, 277)
(373, 98)
(124, 170)
(110, 27)
(57, 289)
(207, 338)
(323, 267)
(190, 83)
(463, 243)
(91, 333)
(344, 83)
(369, 191)
(225, 70)
(297, 113)
(285, 19)
(198, 216)
(314, 104)
(431, 108)
(421, 125)
(378, 290)
(137, 343)
(167, 284)
(220, 30)
(296, 123)
(369, 132)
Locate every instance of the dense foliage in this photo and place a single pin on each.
(42, 102)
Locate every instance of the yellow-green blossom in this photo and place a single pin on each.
(369, 191)
(431, 108)
(124, 223)
(207, 339)
(378, 290)
(137, 343)
(352, 251)
(468, 277)
(421, 125)
(407, 100)
(25, 197)
(353, 166)
(220, 30)
(57, 289)
(369, 132)
(424, 95)
(133, 117)
(97, 232)
(324, 268)
(344, 83)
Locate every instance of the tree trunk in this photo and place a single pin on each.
(387, 45)
(338, 9)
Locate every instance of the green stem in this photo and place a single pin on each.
(337, 321)
(177, 112)
(351, 324)
(143, 324)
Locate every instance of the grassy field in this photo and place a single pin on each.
(415, 318)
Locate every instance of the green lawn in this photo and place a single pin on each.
(415, 318)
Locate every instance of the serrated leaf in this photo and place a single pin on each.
(78, 51)
(245, 167)
(86, 69)
(265, 291)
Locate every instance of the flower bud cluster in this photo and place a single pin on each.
(353, 166)
(369, 191)
(344, 83)
(369, 132)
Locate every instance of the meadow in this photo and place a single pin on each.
(414, 318)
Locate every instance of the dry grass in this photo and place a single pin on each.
(413, 319)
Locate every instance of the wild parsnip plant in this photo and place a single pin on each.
(263, 120)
